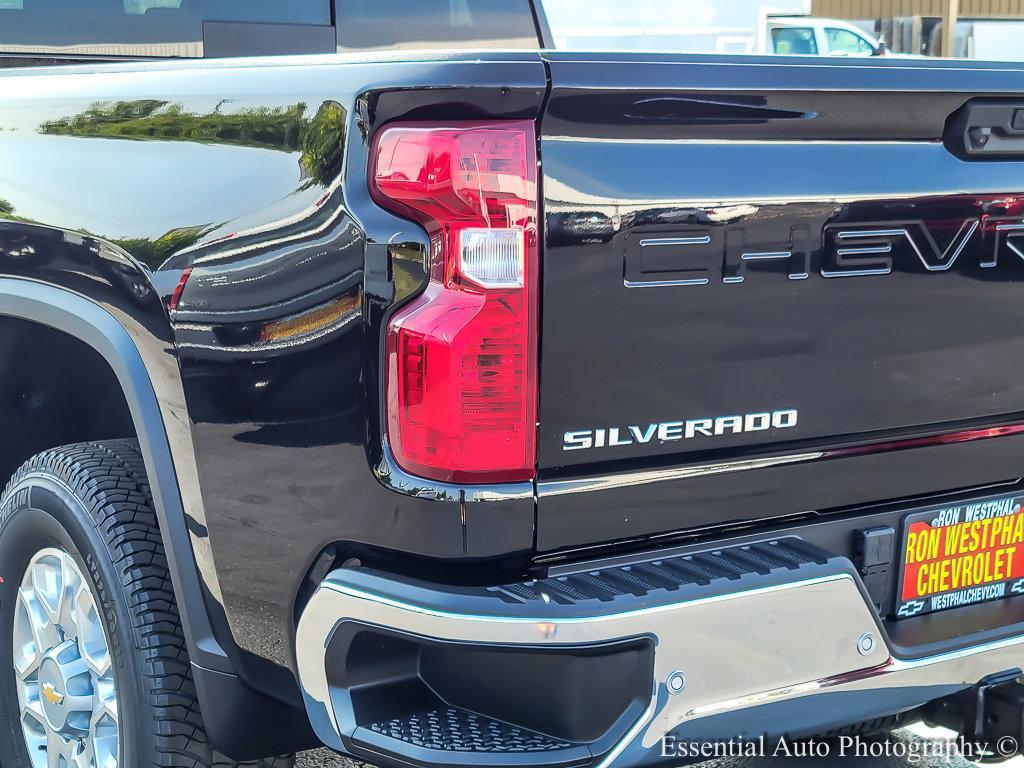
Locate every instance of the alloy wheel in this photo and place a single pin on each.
(62, 666)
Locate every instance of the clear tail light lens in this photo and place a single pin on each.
(461, 382)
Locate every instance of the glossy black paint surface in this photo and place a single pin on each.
(117, 180)
(115, 30)
(68, 30)
(254, 179)
(866, 347)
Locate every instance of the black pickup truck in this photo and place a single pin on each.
(495, 405)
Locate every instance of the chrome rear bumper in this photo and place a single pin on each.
(789, 650)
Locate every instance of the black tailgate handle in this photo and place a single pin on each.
(987, 129)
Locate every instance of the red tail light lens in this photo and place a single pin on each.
(462, 357)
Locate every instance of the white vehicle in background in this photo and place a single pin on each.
(808, 36)
(783, 27)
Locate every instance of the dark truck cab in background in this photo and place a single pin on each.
(505, 406)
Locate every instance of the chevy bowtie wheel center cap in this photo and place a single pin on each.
(65, 680)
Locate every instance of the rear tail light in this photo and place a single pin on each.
(461, 382)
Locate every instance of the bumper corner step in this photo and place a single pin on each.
(447, 735)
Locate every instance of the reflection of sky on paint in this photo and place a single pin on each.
(687, 25)
(170, 184)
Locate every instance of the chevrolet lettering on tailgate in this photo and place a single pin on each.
(960, 555)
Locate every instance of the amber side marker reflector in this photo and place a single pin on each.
(309, 322)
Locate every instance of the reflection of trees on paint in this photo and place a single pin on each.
(7, 212)
(146, 251)
(153, 253)
(267, 127)
(323, 142)
(319, 139)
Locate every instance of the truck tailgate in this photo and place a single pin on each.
(770, 287)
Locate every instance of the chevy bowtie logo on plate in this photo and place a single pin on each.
(51, 694)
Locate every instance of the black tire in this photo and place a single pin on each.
(93, 501)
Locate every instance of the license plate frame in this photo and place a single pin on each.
(983, 562)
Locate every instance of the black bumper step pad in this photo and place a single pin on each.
(450, 729)
(639, 580)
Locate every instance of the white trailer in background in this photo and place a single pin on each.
(995, 41)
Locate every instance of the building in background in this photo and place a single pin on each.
(974, 29)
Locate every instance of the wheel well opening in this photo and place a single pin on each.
(54, 390)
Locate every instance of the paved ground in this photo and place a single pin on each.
(907, 749)
(324, 758)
